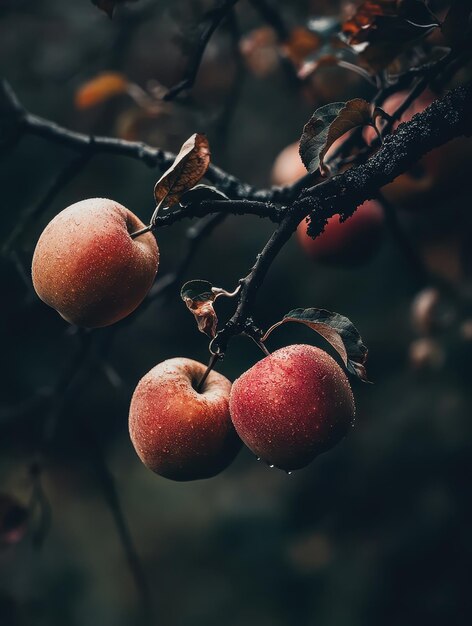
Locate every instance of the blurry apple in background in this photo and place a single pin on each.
(292, 405)
(350, 242)
(288, 166)
(87, 266)
(177, 431)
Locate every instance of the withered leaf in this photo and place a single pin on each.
(338, 330)
(385, 28)
(200, 193)
(199, 296)
(99, 89)
(327, 125)
(457, 27)
(108, 6)
(187, 170)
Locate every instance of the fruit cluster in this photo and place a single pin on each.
(184, 422)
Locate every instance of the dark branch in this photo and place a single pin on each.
(442, 121)
(214, 19)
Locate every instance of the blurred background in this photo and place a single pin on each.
(375, 531)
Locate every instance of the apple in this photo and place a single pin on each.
(435, 171)
(292, 405)
(177, 431)
(87, 266)
(352, 241)
(288, 166)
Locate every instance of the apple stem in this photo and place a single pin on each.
(213, 359)
(261, 345)
(146, 229)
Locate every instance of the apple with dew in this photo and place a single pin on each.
(87, 266)
(435, 170)
(292, 405)
(177, 431)
(352, 241)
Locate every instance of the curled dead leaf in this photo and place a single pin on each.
(385, 28)
(187, 170)
(199, 296)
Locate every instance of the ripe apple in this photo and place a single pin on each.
(352, 241)
(435, 171)
(292, 405)
(88, 268)
(177, 431)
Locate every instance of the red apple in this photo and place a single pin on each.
(88, 268)
(177, 431)
(351, 241)
(292, 406)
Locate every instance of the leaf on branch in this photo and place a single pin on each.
(108, 6)
(300, 43)
(201, 193)
(13, 520)
(457, 27)
(100, 89)
(338, 330)
(188, 169)
(199, 296)
(384, 28)
(327, 125)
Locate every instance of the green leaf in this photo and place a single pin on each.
(328, 124)
(338, 330)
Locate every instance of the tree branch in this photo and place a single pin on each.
(214, 19)
(442, 121)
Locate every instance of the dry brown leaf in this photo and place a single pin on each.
(199, 296)
(187, 170)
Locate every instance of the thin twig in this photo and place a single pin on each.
(214, 19)
(68, 173)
